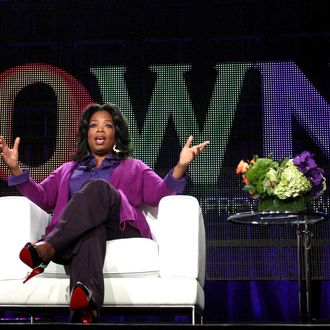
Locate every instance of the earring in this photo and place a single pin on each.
(115, 149)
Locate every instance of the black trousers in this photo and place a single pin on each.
(79, 237)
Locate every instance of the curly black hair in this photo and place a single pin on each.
(122, 133)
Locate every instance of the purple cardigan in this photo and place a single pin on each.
(137, 184)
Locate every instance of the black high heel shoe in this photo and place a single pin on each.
(82, 305)
(31, 257)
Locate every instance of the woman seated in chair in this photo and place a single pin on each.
(95, 198)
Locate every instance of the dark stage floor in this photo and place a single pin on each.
(115, 318)
(122, 326)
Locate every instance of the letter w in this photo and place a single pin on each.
(170, 98)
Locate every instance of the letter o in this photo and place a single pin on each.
(72, 98)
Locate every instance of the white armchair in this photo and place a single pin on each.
(165, 272)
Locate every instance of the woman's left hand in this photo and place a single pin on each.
(189, 152)
(187, 155)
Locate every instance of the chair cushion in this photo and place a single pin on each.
(128, 257)
(131, 257)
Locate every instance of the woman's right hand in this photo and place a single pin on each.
(10, 156)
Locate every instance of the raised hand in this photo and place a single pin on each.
(189, 152)
(10, 156)
(187, 155)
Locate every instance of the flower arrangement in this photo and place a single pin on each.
(285, 185)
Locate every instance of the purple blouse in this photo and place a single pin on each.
(86, 170)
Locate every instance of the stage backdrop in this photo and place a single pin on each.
(246, 94)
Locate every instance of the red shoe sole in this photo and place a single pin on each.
(26, 257)
(79, 299)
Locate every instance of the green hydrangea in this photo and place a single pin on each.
(269, 181)
(292, 182)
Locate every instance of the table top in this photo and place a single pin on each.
(277, 218)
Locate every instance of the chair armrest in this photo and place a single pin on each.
(182, 247)
(21, 221)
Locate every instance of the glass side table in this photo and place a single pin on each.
(302, 221)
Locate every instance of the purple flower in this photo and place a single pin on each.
(304, 162)
(315, 176)
(307, 165)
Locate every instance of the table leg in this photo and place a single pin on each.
(307, 240)
(299, 275)
(304, 236)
